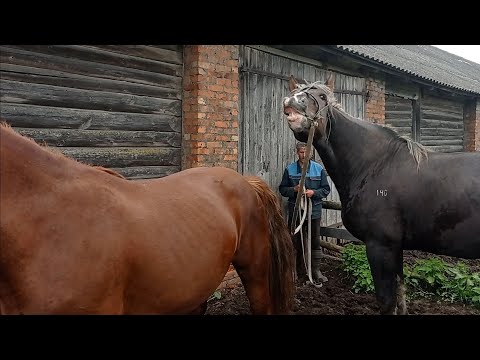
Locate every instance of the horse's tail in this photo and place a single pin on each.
(281, 248)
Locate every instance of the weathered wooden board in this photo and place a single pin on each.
(48, 95)
(98, 55)
(441, 125)
(101, 138)
(35, 116)
(173, 55)
(146, 172)
(60, 78)
(23, 57)
(113, 157)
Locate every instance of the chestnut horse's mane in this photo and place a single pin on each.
(7, 126)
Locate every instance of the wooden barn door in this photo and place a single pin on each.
(108, 105)
(266, 142)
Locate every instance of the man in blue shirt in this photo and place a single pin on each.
(317, 188)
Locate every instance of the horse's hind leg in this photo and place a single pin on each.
(384, 264)
(199, 310)
(401, 296)
(255, 281)
(253, 270)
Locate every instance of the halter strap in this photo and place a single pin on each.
(315, 98)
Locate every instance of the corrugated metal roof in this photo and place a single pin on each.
(424, 61)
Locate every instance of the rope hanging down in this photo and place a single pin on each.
(308, 151)
(306, 205)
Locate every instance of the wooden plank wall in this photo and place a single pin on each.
(117, 106)
(437, 122)
(398, 114)
(400, 99)
(441, 125)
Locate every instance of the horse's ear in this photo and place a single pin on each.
(329, 81)
(292, 83)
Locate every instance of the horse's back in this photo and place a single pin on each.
(440, 204)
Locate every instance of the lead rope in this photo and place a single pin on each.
(304, 173)
(307, 205)
(308, 260)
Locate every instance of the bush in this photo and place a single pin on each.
(428, 278)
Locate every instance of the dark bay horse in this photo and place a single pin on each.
(77, 239)
(395, 194)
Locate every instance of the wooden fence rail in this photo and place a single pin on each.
(335, 232)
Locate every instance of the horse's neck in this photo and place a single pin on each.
(353, 147)
(25, 162)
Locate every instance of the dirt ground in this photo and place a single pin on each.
(335, 297)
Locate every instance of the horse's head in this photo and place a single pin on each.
(307, 103)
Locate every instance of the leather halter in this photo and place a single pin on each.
(315, 98)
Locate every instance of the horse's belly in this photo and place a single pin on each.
(459, 240)
(179, 275)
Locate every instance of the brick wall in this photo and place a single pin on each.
(375, 106)
(210, 113)
(210, 106)
(471, 119)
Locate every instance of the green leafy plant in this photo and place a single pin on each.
(428, 278)
(356, 265)
(216, 295)
(463, 286)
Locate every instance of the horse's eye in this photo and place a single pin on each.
(323, 97)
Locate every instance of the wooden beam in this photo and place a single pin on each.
(16, 92)
(338, 234)
(118, 157)
(332, 205)
(147, 172)
(15, 56)
(102, 138)
(59, 78)
(330, 246)
(37, 116)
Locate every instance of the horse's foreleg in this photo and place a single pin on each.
(384, 264)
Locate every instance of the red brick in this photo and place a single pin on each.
(210, 106)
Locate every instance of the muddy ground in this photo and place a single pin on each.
(337, 298)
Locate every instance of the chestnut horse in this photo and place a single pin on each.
(77, 240)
